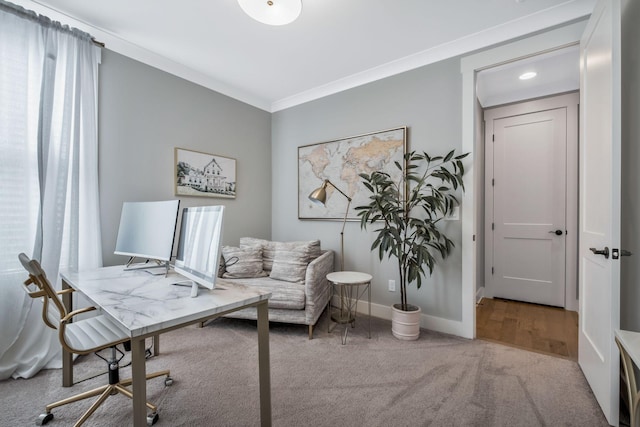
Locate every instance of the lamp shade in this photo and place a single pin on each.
(319, 195)
(272, 12)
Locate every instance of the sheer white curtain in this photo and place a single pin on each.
(48, 173)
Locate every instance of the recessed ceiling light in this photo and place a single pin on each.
(528, 75)
(272, 12)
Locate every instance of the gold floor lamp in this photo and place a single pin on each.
(319, 196)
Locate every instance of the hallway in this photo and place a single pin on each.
(538, 328)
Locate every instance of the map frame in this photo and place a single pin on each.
(337, 203)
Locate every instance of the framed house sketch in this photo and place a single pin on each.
(204, 175)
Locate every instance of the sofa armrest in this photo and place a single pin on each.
(317, 289)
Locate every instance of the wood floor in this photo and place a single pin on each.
(533, 327)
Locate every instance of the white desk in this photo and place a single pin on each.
(146, 305)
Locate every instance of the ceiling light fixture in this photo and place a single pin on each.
(529, 75)
(272, 12)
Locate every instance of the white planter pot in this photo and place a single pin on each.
(405, 325)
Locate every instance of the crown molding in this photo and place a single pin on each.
(119, 45)
(558, 15)
(548, 18)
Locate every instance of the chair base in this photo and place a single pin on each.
(104, 392)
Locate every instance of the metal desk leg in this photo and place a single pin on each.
(139, 382)
(263, 364)
(67, 358)
(156, 345)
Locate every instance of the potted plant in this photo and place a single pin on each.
(408, 212)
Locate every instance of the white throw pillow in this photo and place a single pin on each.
(312, 248)
(242, 263)
(290, 261)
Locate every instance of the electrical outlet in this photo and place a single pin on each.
(392, 285)
(454, 215)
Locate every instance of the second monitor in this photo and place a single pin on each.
(146, 231)
(198, 254)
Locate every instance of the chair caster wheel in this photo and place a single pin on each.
(152, 419)
(168, 381)
(44, 418)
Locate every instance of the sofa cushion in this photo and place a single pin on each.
(268, 250)
(312, 248)
(284, 295)
(241, 263)
(290, 262)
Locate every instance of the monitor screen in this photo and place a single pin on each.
(199, 244)
(147, 229)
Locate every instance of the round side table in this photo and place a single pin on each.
(350, 286)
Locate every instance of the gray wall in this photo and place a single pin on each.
(426, 100)
(630, 236)
(143, 114)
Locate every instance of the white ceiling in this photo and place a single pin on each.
(557, 71)
(334, 45)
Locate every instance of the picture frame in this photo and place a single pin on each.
(201, 174)
(341, 161)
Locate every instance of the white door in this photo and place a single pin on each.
(599, 275)
(528, 189)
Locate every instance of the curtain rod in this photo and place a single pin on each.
(96, 42)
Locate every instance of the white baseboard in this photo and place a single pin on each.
(479, 294)
(433, 323)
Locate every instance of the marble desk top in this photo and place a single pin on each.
(144, 304)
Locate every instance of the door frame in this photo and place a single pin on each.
(569, 101)
(473, 206)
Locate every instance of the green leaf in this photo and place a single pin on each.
(448, 156)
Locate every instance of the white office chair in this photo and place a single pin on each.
(82, 337)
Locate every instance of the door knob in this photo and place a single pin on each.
(604, 252)
(556, 232)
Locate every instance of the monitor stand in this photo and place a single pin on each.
(148, 267)
(194, 286)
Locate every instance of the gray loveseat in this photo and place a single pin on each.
(294, 272)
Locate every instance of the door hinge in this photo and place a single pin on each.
(493, 137)
(493, 182)
(491, 270)
(493, 225)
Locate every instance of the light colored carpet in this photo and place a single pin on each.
(438, 380)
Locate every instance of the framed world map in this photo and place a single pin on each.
(341, 161)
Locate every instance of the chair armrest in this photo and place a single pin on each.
(316, 286)
(68, 317)
(62, 331)
(32, 294)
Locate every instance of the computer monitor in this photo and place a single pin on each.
(199, 246)
(147, 230)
